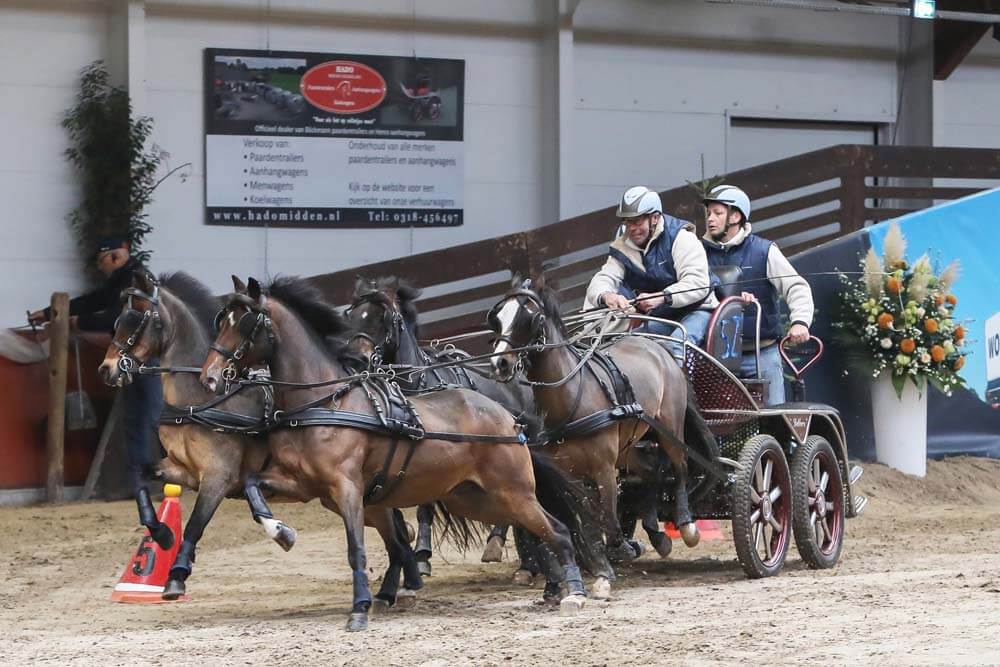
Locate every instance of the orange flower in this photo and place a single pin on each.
(937, 353)
(938, 299)
(959, 332)
(952, 299)
(884, 320)
(931, 325)
(959, 363)
(907, 345)
(893, 285)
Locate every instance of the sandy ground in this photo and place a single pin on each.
(918, 583)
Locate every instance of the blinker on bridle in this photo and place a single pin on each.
(392, 320)
(248, 326)
(126, 362)
(536, 327)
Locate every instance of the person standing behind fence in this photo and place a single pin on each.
(767, 273)
(97, 311)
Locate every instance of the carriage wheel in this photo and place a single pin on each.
(761, 512)
(818, 503)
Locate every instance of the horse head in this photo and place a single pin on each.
(518, 321)
(245, 336)
(138, 331)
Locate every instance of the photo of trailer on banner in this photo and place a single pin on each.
(332, 140)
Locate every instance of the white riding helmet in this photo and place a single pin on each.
(639, 200)
(730, 195)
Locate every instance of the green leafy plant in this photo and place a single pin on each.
(900, 319)
(118, 172)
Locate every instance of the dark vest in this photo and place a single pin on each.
(658, 269)
(751, 257)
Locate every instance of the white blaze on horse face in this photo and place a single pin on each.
(232, 319)
(506, 318)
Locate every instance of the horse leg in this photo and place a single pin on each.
(530, 516)
(493, 552)
(657, 538)
(682, 512)
(544, 560)
(210, 495)
(425, 515)
(275, 529)
(392, 528)
(347, 496)
(160, 532)
(528, 555)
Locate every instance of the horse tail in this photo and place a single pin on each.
(460, 532)
(567, 501)
(696, 431)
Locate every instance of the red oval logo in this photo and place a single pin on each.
(343, 86)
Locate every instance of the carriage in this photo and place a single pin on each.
(780, 472)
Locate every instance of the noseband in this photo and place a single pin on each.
(126, 362)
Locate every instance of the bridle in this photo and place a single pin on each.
(536, 328)
(392, 321)
(249, 325)
(127, 363)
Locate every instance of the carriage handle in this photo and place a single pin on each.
(795, 369)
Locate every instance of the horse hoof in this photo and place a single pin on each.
(664, 547)
(523, 578)
(380, 606)
(163, 536)
(572, 605)
(621, 553)
(689, 533)
(410, 534)
(424, 568)
(638, 548)
(279, 532)
(406, 599)
(601, 590)
(357, 622)
(493, 552)
(174, 589)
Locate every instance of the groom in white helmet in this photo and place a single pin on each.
(660, 263)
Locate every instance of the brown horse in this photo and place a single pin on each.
(171, 320)
(342, 456)
(568, 387)
(384, 315)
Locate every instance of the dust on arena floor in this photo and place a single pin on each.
(918, 582)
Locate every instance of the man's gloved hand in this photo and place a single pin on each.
(37, 317)
(798, 333)
(649, 301)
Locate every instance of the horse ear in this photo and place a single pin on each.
(238, 285)
(143, 280)
(253, 289)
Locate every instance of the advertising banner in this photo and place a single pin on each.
(317, 140)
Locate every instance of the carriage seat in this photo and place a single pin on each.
(724, 336)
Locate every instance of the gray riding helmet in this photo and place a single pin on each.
(639, 200)
(730, 195)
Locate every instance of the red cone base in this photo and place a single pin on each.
(146, 573)
(708, 528)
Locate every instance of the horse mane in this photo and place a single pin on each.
(308, 303)
(193, 294)
(550, 304)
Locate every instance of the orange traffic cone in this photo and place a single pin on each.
(709, 529)
(146, 573)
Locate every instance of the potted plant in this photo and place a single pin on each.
(897, 325)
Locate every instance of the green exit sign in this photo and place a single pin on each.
(923, 9)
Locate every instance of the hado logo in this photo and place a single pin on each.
(343, 86)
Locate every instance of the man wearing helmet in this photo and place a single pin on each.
(766, 275)
(659, 263)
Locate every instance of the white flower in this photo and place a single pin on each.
(925, 358)
(948, 346)
(943, 310)
(921, 311)
(886, 343)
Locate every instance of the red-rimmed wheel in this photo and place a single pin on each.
(762, 507)
(818, 503)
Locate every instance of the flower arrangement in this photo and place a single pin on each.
(900, 319)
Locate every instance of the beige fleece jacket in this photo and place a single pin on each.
(690, 265)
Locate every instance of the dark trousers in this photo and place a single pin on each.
(143, 402)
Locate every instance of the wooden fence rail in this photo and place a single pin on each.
(800, 202)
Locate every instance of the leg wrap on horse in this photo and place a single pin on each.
(160, 532)
(184, 562)
(362, 596)
(255, 499)
(424, 549)
(573, 579)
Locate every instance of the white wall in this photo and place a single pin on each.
(42, 51)
(655, 85)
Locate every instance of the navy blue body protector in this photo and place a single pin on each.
(751, 257)
(659, 271)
